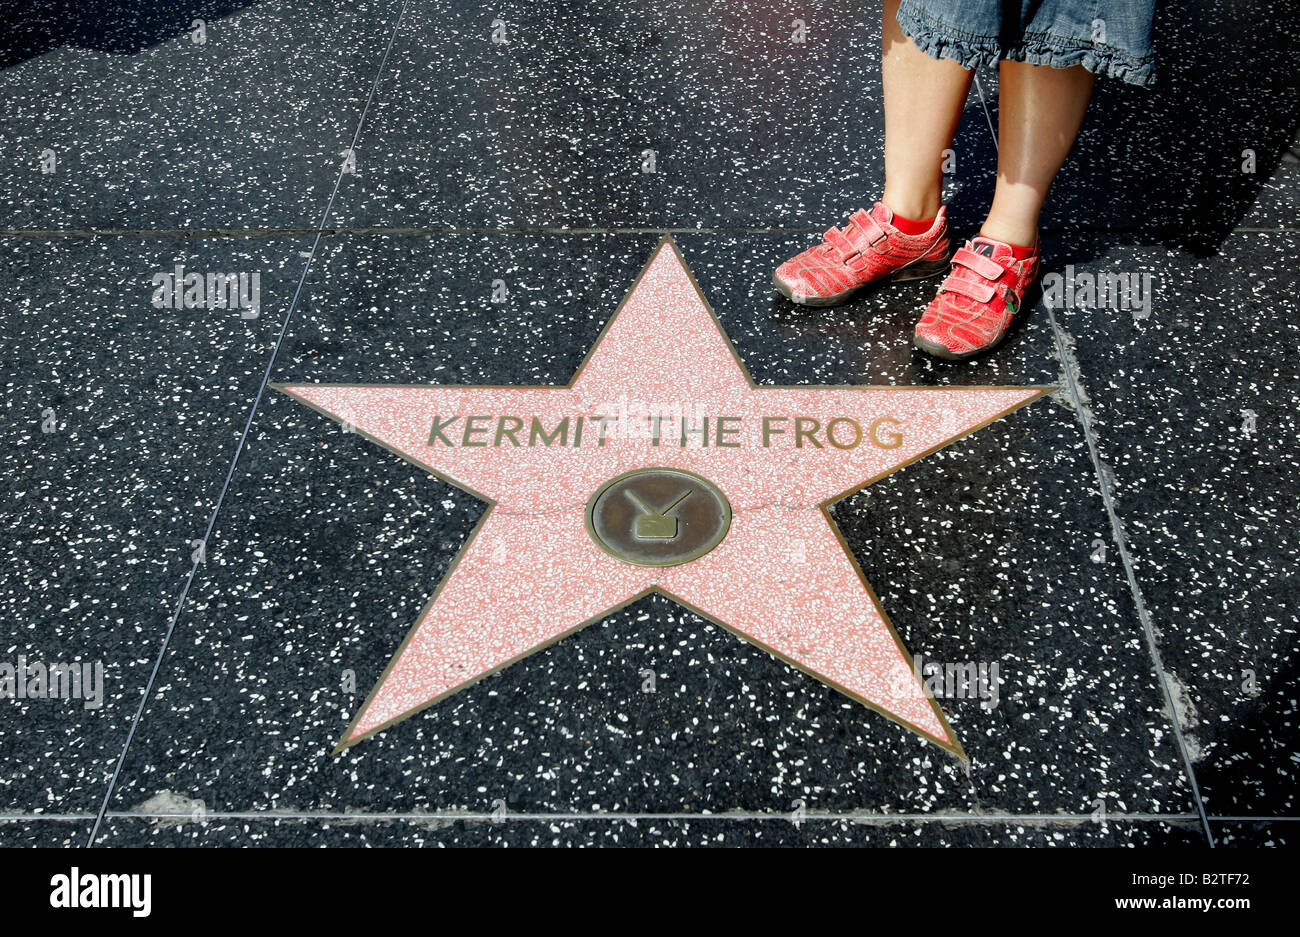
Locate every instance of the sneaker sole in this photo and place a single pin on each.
(947, 354)
(916, 270)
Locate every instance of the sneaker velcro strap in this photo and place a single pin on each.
(861, 219)
(849, 255)
(986, 267)
(866, 223)
(843, 246)
(980, 292)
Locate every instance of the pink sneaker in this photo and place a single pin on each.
(868, 249)
(977, 301)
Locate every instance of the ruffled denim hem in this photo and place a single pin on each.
(942, 41)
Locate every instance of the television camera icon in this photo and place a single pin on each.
(656, 525)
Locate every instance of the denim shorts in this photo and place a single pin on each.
(1107, 37)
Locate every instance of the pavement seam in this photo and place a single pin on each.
(754, 815)
(1074, 382)
(545, 230)
(239, 448)
(1069, 369)
(987, 116)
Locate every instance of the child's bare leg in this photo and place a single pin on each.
(924, 98)
(1040, 111)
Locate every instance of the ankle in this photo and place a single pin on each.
(912, 227)
(916, 205)
(1010, 231)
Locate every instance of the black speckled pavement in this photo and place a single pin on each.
(463, 194)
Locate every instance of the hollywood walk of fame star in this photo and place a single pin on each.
(660, 467)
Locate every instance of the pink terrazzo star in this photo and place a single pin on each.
(782, 577)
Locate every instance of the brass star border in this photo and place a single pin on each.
(454, 643)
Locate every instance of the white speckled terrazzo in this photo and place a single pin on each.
(500, 206)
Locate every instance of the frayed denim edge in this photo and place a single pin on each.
(940, 41)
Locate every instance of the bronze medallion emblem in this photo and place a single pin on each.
(658, 517)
